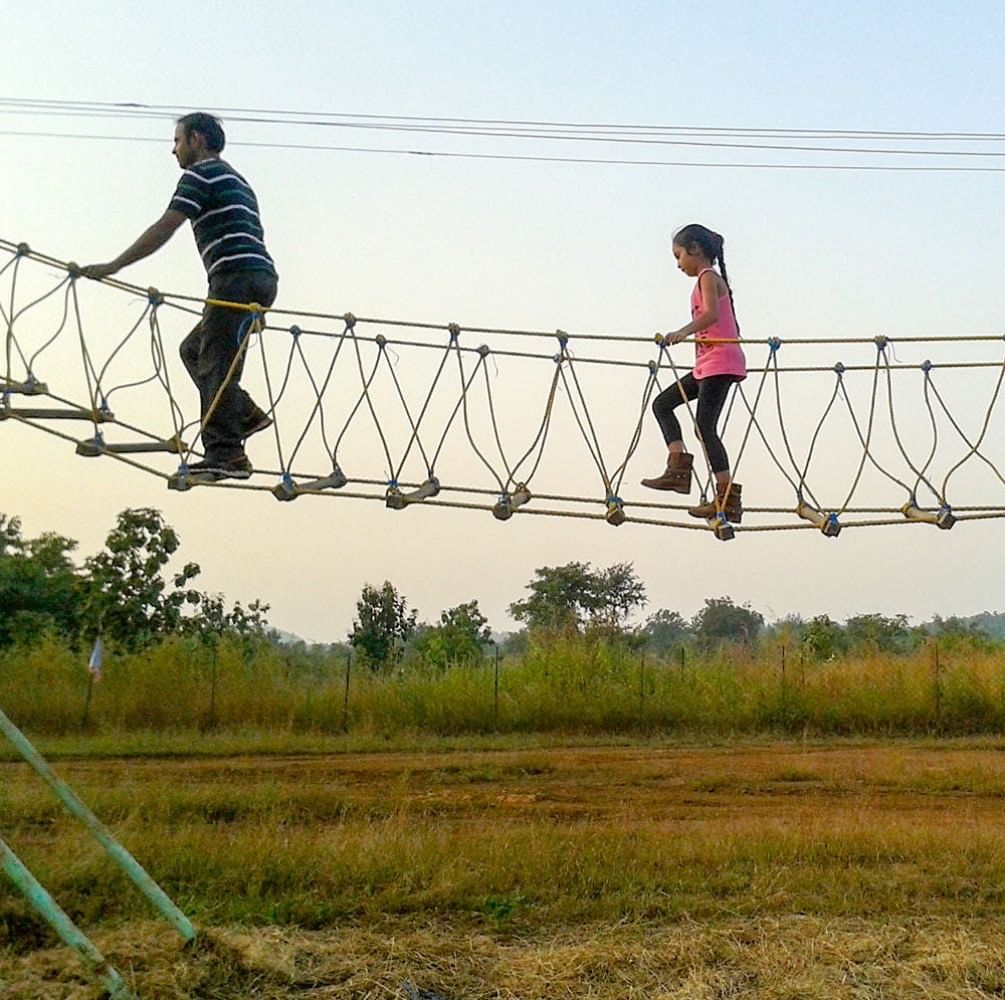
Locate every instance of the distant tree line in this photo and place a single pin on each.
(123, 593)
(126, 593)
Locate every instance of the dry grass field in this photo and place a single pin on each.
(774, 870)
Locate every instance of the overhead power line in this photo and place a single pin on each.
(830, 143)
(297, 116)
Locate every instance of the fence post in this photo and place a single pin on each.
(495, 693)
(642, 686)
(211, 721)
(936, 679)
(785, 707)
(345, 701)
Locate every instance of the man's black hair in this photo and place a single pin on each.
(206, 125)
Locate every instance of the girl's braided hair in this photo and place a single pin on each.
(710, 244)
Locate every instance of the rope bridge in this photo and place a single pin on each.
(525, 422)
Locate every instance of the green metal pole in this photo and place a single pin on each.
(55, 916)
(99, 831)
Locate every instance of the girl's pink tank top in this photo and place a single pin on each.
(717, 359)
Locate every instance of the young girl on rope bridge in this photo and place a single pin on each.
(719, 362)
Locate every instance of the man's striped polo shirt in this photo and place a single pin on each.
(225, 220)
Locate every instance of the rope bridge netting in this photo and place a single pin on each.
(510, 421)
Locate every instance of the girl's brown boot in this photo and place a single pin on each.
(676, 476)
(730, 505)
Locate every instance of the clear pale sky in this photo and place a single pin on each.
(583, 247)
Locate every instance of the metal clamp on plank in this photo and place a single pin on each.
(289, 489)
(396, 500)
(615, 511)
(509, 502)
(828, 523)
(722, 528)
(30, 387)
(941, 518)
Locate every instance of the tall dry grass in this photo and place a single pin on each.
(565, 686)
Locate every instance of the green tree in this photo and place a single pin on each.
(878, 633)
(382, 625)
(458, 638)
(40, 588)
(665, 630)
(721, 620)
(573, 597)
(128, 592)
(619, 592)
(823, 638)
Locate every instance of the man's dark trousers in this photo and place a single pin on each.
(209, 350)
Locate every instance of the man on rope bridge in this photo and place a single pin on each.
(228, 232)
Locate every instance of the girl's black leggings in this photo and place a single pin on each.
(711, 393)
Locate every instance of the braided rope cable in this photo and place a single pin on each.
(864, 440)
(365, 395)
(785, 437)
(975, 447)
(592, 442)
(461, 401)
(159, 360)
(919, 473)
(273, 398)
(619, 473)
(415, 424)
(465, 385)
(541, 436)
(813, 443)
(317, 409)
